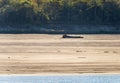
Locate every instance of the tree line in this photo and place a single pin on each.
(60, 11)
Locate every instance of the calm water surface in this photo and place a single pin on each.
(60, 79)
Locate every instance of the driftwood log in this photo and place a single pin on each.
(66, 36)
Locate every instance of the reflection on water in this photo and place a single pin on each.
(60, 79)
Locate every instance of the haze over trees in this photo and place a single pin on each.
(60, 11)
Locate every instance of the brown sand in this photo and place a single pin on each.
(50, 54)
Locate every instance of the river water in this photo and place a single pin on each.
(61, 79)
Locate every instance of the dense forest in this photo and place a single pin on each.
(60, 11)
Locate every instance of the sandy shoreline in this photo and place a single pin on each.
(35, 54)
(53, 74)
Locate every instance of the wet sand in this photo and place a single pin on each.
(51, 54)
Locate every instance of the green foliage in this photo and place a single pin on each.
(60, 11)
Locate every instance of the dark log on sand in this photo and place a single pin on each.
(66, 36)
